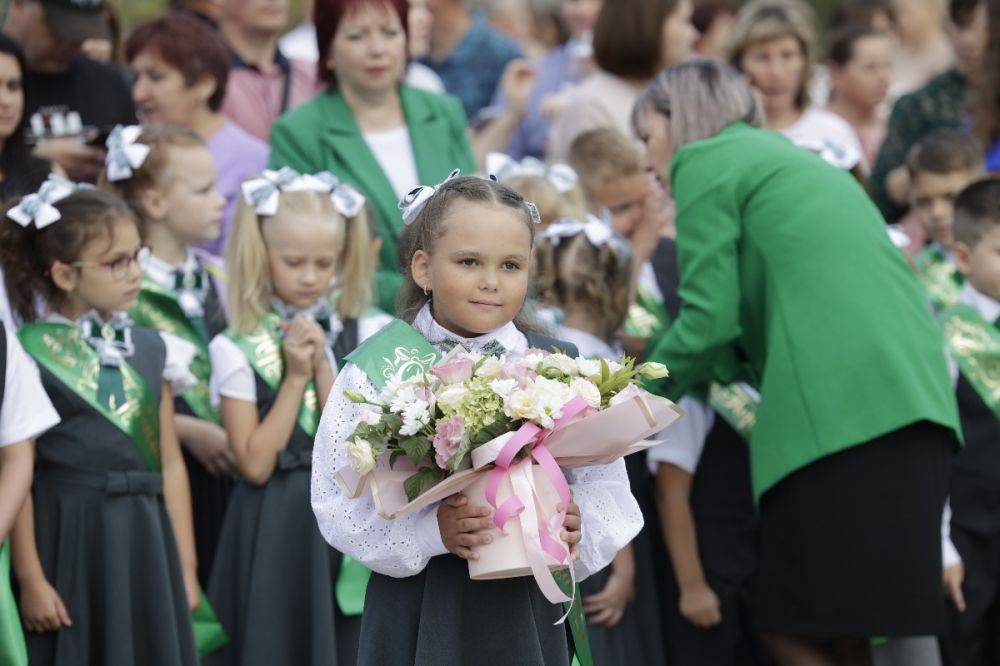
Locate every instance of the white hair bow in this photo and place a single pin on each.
(561, 176)
(125, 153)
(39, 208)
(262, 192)
(417, 198)
(347, 200)
(597, 231)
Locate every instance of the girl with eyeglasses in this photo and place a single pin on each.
(103, 549)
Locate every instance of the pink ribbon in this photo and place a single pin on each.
(513, 506)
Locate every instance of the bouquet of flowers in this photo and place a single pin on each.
(500, 429)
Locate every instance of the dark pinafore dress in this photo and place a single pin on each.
(209, 494)
(441, 617)
(104, 538)
(274, 578)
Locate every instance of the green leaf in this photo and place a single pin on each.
(393, 422)
(605, 372)
(424, 478)
(456, 459)
(394, 456)
(416, 447)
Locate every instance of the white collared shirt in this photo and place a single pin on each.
(162, 273)
(27, 411)
(403, 546)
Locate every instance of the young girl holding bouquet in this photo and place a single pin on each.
(585, 270)
(282, 594)
(103, 549)
(465, 255)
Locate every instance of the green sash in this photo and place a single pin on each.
(737, 404)
(398, 349)
(263, 350)
(942, 282)
(159, 309)
(13, 651)
(974, 343)
(646, 316)
(61, 350)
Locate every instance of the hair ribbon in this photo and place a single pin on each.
(561, 176)
(39, 208)
(125, 153)
(417, 198)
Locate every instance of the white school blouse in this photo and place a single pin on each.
(402, 547)
(26, 411)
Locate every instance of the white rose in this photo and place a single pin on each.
(586, 390)
(489, 368)
(521, 405)
(562, 363)
(588, 367)
(452, 396)
(361, 455)
(370, 417)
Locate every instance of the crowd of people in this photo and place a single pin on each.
(213, 219)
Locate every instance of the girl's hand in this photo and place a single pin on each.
(953, 578)
(317, 337)
(191, 589)
(608, 606)
(212, 451)
(571, 528)
(458, 521)
(42, 609)
(298, 349)
(700, 606)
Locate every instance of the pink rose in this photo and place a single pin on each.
(518, 373)
(454, 372)
(447, 440)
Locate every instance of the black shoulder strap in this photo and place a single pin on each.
(664, 262)
(3, 360)
(346, 342)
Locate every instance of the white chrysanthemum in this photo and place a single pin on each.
(404, 397)
(415, 416)
(531, 361)
(503, 387)
(361, 455)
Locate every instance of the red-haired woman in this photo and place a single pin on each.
(181, 67)
(374, 133)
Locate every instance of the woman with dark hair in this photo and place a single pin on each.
(633, 40)
(180, 67)
(366, 128)
(779, 257)
(20, 173)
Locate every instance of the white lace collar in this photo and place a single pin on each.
(507, 335)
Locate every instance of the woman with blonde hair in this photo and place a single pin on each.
(778, 256)
(773, 43)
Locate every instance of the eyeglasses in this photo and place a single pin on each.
(120, 267)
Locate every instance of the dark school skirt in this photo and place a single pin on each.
(441, 617)
(850, 545)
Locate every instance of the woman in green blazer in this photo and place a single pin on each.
(789, 281)
(366, 128)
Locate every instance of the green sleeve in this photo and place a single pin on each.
(699, 346)
(289, 149)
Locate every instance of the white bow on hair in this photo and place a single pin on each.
(125, 153)
(561, 176)
(596, 231)
(39, 208)
(417, 198)
(263, 192)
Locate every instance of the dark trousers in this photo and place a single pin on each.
(973, 637)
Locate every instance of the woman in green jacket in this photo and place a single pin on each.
(789, 281)
(382, 137)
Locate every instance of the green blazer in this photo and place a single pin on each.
(788, 279)
(322, 135)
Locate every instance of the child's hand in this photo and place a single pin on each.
(298, 349)
(212, 450)
(42, 609)
(571, 529)
(608, 606)
(700, 606)
(953, 577)
(457, 522)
